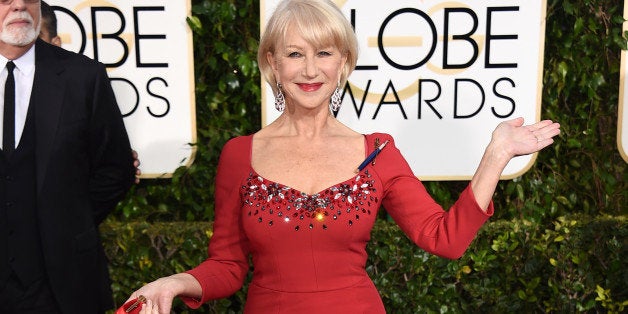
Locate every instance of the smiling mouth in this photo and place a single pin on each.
(310, 87)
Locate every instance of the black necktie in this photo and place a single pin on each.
(8, 140)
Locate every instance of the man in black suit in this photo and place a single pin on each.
(66, 167)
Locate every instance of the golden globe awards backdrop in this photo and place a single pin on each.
(147, 48)
(622, 128)
(439, 76)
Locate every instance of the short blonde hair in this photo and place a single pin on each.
(321, 24)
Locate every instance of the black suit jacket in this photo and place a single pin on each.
(84, 168)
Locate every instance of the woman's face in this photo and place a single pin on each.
(308, 74)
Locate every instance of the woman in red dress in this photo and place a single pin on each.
(290, 196)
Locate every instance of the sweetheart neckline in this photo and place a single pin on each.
(352, 178)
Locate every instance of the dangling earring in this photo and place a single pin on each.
(280, 101)
(336, 99)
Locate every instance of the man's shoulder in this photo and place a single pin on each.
(46, 52)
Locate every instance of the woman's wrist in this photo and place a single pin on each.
(184, 284)
(496, 155)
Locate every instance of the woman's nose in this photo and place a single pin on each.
(311, 68)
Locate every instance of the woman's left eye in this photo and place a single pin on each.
(324, 53)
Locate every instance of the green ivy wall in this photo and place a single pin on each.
(551, 217)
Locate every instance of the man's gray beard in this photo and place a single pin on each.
(20, 38)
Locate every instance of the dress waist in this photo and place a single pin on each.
(360, 297)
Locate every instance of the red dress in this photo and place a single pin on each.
(308, 251)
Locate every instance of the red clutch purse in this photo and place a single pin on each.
(132, 306)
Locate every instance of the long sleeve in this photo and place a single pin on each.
(224, 271)
(443, 233)
(111, 160)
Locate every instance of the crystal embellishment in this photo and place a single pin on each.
(353, 197)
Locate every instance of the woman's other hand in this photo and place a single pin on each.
(160, 293)
(514, 139)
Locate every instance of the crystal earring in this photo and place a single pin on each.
(280, 101)
(336, 99)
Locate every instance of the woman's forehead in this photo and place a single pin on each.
(296, 36)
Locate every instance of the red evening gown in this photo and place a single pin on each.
(308, 251)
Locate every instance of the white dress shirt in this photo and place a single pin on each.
(24, 74)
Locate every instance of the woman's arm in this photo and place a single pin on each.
(225, 269)
(510, 138)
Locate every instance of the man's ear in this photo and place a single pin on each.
(56, 41)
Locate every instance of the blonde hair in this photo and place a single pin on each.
(321, 24)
